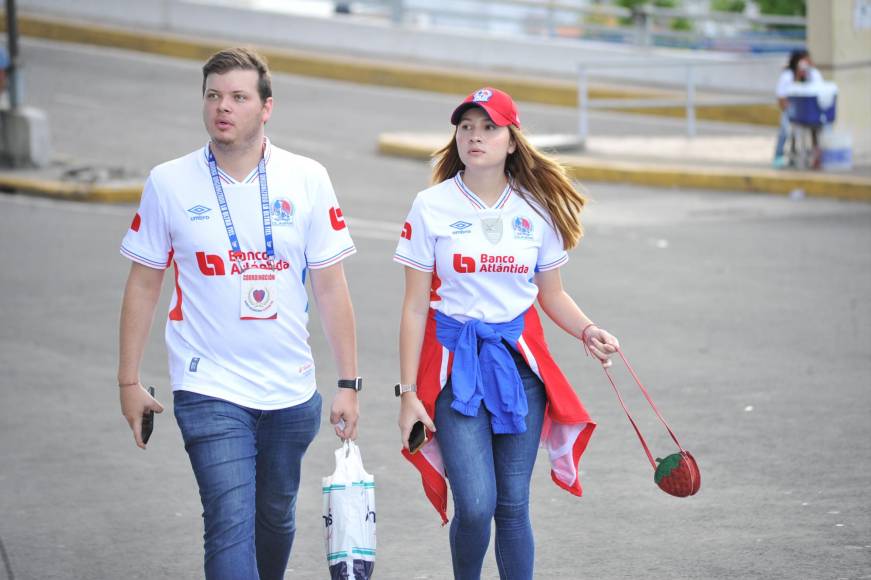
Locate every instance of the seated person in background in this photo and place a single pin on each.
(799, 69)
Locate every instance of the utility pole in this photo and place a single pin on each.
(12, 81)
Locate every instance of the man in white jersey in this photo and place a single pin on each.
(244, 223)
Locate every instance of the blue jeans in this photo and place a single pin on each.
(489, 477)
(247, 465)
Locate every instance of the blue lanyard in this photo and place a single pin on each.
(225, 211)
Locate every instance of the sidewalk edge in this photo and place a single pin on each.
(670, 175)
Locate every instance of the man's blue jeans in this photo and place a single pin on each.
(489, 478)
(247, 465)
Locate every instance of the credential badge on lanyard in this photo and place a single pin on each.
(258, 297)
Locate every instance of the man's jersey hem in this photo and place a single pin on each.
(208, 391)
(335, 259)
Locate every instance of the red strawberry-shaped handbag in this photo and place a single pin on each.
(678, 474)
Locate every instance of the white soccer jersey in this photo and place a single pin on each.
(786, 79)
(262, 364)
(483, 259)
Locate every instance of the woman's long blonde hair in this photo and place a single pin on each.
(532, 173)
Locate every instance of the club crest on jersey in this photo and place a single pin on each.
(282, 212)
(492, 228)
(522, 228)
(482, 96)
(258, 299)
(460, 227)
(199, 213)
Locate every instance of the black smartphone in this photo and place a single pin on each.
(417, 437)
(148, 421)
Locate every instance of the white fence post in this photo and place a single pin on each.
(583, 97)
(691, 105)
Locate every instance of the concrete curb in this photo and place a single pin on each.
(376, 72)
(71, 191)
(846, 187)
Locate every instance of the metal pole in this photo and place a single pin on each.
(642, 17)
(14, 82)
(691, 102)
(583, 104)
(551, 20)
(398, 11)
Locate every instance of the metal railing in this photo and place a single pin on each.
(646, 25)
(689, 101)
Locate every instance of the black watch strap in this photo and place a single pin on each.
(356, 384)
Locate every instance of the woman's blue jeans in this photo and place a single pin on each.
(489, 477)
(247, 465)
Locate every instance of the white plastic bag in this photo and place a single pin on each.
(349, 517)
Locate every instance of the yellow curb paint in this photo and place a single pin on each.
(72, 191)
(749, 180)
(373, 72)
(398, 147)
(660, 175)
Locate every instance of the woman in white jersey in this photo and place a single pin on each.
(480, 246)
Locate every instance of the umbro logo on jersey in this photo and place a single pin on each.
(461, 227)
(199, 212)
(336, 219)
(406, 231)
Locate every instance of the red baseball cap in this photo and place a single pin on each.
(498, 105)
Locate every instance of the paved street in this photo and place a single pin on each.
(747, 317)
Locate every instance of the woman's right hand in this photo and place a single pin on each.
(411, 411)
(135, 402)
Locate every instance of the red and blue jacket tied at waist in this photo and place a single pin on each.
(450, 349)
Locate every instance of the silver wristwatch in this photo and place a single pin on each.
(400, 388)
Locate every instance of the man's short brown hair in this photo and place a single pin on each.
(240, 59)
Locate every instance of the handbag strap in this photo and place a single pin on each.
(649, 400)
